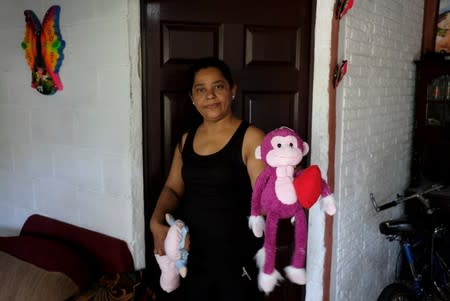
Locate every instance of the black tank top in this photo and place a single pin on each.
(216, 203)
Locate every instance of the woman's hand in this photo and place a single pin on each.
(187, 242)
(159, 232)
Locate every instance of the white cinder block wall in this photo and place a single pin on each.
(375, 103)
(77, 155)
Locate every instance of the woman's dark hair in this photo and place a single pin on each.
(208, 62)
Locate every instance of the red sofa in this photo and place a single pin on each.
(58, 248)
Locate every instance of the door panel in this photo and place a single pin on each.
(271, 110)
(267, 46)
(175, 35)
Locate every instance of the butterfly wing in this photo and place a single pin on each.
(344, 7)
(52, 44)
(347, 7)
(339, 72)
(29, 43)
(343, 70)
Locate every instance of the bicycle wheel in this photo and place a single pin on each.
(397, 292)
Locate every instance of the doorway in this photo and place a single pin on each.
(267, 45)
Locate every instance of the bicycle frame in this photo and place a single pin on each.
(431, 278)
(417, 286)
(439, 269)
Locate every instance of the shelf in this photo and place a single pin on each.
(431, 156)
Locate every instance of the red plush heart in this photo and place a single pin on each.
(308, 186)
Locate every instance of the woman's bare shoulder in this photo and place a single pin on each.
(254, 135)
(252, 139)
(182, 141)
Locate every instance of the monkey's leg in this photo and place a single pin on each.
(270, 242)
(296, 271)
(301, 236)
(269, 277)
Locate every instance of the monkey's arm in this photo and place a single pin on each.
(327, 201)
(260, 185)
(256, 220)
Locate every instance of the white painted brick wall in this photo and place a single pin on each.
(319, 146)
(375, 102)
(76, 155)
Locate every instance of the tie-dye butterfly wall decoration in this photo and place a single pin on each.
(43, 48)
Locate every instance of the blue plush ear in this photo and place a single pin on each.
(170, 220)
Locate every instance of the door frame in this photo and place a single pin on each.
(146, 128)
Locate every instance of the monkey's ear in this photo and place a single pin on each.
(258, 152)
(305, 148)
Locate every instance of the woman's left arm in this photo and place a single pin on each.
(252, 139)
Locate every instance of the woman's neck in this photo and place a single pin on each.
(220, 125)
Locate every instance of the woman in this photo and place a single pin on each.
(209, 184)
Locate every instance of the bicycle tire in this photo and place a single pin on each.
(397, 292)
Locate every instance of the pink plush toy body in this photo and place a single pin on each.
(275, 194)
(173, 264)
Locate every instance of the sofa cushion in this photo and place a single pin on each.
(111, 254)
(21, 280)
(52, 256)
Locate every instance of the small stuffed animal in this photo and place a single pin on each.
(282, 193)
(173, 264)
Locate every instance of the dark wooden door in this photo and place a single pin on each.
(267, 45)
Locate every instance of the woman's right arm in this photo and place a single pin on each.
(167, 202)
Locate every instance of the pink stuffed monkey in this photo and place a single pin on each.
(274, 194)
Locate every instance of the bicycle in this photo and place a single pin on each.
(425, 248)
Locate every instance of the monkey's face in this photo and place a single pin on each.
(285, 151)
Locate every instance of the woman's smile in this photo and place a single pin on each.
(213, 106)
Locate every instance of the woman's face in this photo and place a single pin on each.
(212, 94)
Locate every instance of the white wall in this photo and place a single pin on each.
(375, 103)
(319, 145)
(75, 156)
